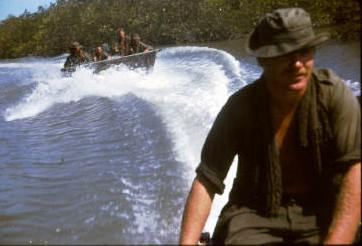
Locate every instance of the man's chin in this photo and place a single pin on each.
(299, 85)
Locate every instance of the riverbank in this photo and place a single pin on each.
(236, 47)
(48, 32)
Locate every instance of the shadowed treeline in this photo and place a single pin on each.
(92, 22)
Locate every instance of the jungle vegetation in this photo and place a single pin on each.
(49, 31)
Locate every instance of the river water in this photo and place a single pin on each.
(110, 157)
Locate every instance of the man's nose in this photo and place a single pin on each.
(297, 59)
(298, 63)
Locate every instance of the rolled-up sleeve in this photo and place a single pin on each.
(219, 150)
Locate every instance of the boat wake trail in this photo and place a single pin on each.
(186, 89)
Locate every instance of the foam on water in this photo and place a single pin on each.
(188, 91)
(187, 87)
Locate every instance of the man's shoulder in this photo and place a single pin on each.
(246, 93)
(333, 91)
(329, 83)
(241, 104)
(72, 58)
(327, 77)
(87, 56)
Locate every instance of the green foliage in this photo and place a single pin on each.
(93, 22)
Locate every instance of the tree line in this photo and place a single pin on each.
(49, 31)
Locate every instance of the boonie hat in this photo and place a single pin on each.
(283, 31)
(74, 45)
(136, 36)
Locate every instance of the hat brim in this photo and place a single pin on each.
(275, 50)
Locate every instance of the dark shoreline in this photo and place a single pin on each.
(49, 31)
(236, 46)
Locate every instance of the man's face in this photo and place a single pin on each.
(137, 40)
(78, 50)
(290, 72)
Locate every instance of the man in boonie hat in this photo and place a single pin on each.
(74, 45)
(297, 133)
(136, 46)
(77, 56)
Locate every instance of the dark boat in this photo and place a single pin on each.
(144, 60)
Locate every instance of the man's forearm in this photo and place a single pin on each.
(347, 214)
(197, 210)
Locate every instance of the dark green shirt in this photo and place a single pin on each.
(75, 60)
(332, 136)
